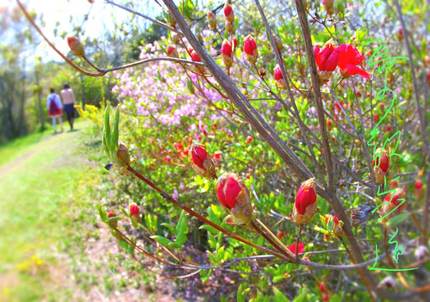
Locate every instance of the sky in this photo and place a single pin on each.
(56, 15)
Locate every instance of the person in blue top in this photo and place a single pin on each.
(55, 109)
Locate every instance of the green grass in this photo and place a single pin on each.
(42, 210)
(16, 147)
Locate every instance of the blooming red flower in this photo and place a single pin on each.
(134, 209)
(228, 190)
(326, 58)
(250, 46)
(297, 248)
(75, 46)
(348, 59)
(226, 48)
(277, 73)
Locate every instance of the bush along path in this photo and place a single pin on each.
(51, 246)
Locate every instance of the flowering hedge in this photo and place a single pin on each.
(281, 158)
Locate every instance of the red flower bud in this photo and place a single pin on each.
(277, 73)
(234, 196)
(375, 118)
(179, 147)
(212, 20)
(393, 201)
(249, 139)
(381, 166)
(250, 49)
(297, 248)
(400, 34)
(305, 202)
(226, 48)
(122, 155)
(418, 184)
(227, 53)
(394, 184)
(112, 218)
(134, 209)
(171, 51)
(202, 162)
(249, 45)
(234, 43)
(217, 155)
(195, 56)
(228, 12)
(280, 235)
(328, 6)
(418, 188)
(75, 46)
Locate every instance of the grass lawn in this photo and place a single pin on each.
(42, 211)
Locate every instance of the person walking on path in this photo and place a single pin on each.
(68, 98)
(55, 109)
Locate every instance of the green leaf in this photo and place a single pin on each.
(162, 240)
(181, 230)
(126, 246)
(302, 296)
(279, 296)
(115, 132)
(102, 213)
(241, 292)
(107, 132)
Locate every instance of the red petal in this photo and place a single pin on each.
(231, 190)
(220, 192)
(351, 70)
(198, 155)
(298, 248)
